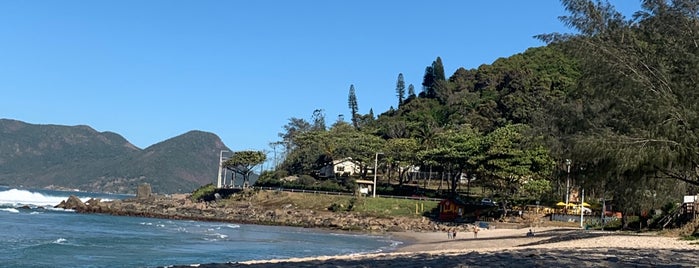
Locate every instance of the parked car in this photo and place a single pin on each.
(488, 202)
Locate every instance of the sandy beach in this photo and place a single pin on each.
(551, 246)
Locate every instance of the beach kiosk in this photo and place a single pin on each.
(451, 209)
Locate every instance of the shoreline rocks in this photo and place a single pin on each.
(182, 208)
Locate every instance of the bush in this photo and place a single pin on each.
(306, 180)
(205, 192)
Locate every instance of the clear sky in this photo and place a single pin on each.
(152, 70)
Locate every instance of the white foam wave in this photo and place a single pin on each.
(11, 210)
(60, 241)
(15, 197)
(233, 226)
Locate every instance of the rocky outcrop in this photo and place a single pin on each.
(73, 202)
(180, 207)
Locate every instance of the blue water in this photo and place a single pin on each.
(46, 237)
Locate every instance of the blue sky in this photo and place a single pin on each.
(152, 70)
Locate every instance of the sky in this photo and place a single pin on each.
(152, 70)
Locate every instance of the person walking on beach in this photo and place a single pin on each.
(449, 236)
(453, 236)
(475, 232)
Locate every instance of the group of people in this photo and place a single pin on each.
(451, 233)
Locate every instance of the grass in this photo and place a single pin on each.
(381, 207)
(393, 207)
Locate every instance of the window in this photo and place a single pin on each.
(340, 168)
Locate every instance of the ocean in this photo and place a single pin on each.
(33, 234)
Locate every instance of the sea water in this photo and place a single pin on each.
(34, 234)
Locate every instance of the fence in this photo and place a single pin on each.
(344, 193)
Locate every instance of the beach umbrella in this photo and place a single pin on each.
(561, 204)
(585, 204)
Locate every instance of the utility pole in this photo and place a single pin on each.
(568, 162)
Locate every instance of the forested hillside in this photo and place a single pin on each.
(618, 99)
(78, 157)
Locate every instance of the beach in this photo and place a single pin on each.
(550, 246)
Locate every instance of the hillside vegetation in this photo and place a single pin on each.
(78, 157)
(611, 109)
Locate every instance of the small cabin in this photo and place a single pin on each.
(451, 209)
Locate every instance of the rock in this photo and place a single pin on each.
(144, 191)
(73, 202)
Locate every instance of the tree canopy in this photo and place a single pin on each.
(617, 96)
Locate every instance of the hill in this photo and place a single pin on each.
(80, 157)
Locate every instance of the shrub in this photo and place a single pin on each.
(205, 192)
(306, 180)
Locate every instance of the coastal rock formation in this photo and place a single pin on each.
(181, 207)
(73, 202)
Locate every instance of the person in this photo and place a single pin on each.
(475, 231)
(453, 236)
(530, 233)
(449, 235)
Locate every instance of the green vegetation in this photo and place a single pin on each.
(242, 162)
(379, 207)
(78, 157)
(394, 207)
(204, 192)
(618, 98)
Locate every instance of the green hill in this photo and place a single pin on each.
(80, 157)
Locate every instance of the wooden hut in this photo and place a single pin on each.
(451, 209)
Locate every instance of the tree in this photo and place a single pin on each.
(318, 120)
(243, 162)
(637, 93)
(455, 152)
(428, 83)
(353, 106)
(411, 91)
(438, 69)
(295, 127)
(400, 89)
(401, 154)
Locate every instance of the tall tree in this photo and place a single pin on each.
(438, 69)
(400, 89)
(319, 120)
(411, 91)
(353, 106)
(638, 89)
(243, 162)
(428, 83)
(295, 127)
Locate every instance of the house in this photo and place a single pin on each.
(341, 167)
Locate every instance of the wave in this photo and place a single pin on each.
(11, 210)
(18, 198)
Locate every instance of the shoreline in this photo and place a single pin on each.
(563, 247)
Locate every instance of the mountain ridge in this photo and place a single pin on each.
(79, 157)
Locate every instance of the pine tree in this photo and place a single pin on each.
(428, 83)
(438, 69)
(400, 89)
(411, 91)
(354, 108)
